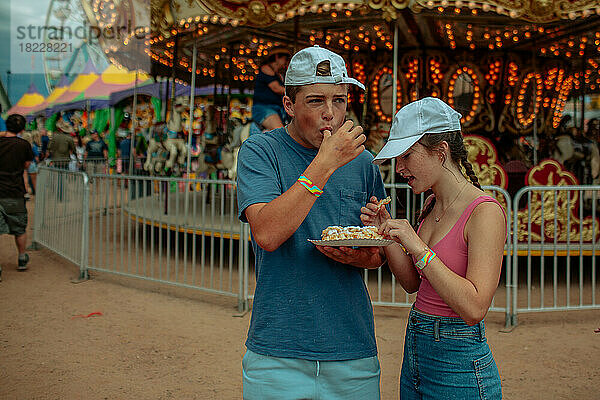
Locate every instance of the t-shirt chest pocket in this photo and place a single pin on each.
(351, 202)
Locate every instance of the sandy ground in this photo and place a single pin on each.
(159, 342)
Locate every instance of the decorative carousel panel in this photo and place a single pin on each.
(482, 155)
(464, 92)
(254, 12)
(556, 214)
(528, 99)
(539, 11)
(382, 95)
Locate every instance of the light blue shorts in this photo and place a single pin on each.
(266, 378)
(33, 168)
(261, 111)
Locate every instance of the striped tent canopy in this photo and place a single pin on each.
(113, 79)
(83, 81)
(60, 88)
(31, 99)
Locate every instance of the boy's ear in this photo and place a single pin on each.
(288, 105)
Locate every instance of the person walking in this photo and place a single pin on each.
(452, 258)
(16, 155)
(311, 333)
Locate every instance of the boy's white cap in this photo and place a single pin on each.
(411, 122)
(302, 69)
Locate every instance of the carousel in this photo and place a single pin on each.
(509, 67)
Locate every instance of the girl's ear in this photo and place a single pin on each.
(443, 149)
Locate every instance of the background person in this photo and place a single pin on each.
(95, 154)
(16, 155)
(61, 145)
(267, 100)
(453, 259)
(124, 152)
(312, 327)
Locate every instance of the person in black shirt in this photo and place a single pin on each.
(15, 155)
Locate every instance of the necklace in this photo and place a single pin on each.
(437, 219)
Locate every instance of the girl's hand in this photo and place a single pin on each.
(374, 215)
(400, 231)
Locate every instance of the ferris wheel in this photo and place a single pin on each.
(66, 34)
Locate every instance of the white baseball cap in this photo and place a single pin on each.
(302, 69)
(411, 122)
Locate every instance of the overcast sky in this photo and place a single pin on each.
(14, 13)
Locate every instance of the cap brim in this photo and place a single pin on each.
(312, 80)
(393, 148)
(354, 82)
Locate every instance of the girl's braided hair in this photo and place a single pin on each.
(458, 154)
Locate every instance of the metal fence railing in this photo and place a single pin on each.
(185, 232)
(178, 231)
(61, 210)
(557, 240)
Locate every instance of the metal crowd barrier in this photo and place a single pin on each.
(61, 210)
(185, 232)
(156, 229)
(556, 237)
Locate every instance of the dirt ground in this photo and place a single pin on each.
(157, 342)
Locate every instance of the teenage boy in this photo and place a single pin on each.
(311, 334)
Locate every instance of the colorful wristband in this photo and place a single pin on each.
(311, 187)
(428, 257)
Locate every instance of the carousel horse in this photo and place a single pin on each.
(162, 153)
(224, 158)
(166, 137)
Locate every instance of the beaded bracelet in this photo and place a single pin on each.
(311, 187)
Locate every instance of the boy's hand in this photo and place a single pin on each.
(362, 257)
(341, 147)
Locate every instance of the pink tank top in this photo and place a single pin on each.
(453, 252)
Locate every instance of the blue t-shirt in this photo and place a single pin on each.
(125, 147)
(306, 305)
(95, 148)
(263, 93)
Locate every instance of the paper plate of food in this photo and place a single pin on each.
(351, 236)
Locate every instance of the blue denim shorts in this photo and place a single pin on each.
(444, 358)
(261, 111)
(33, 168)
(275, 378)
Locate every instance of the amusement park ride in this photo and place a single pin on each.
(508, 66)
